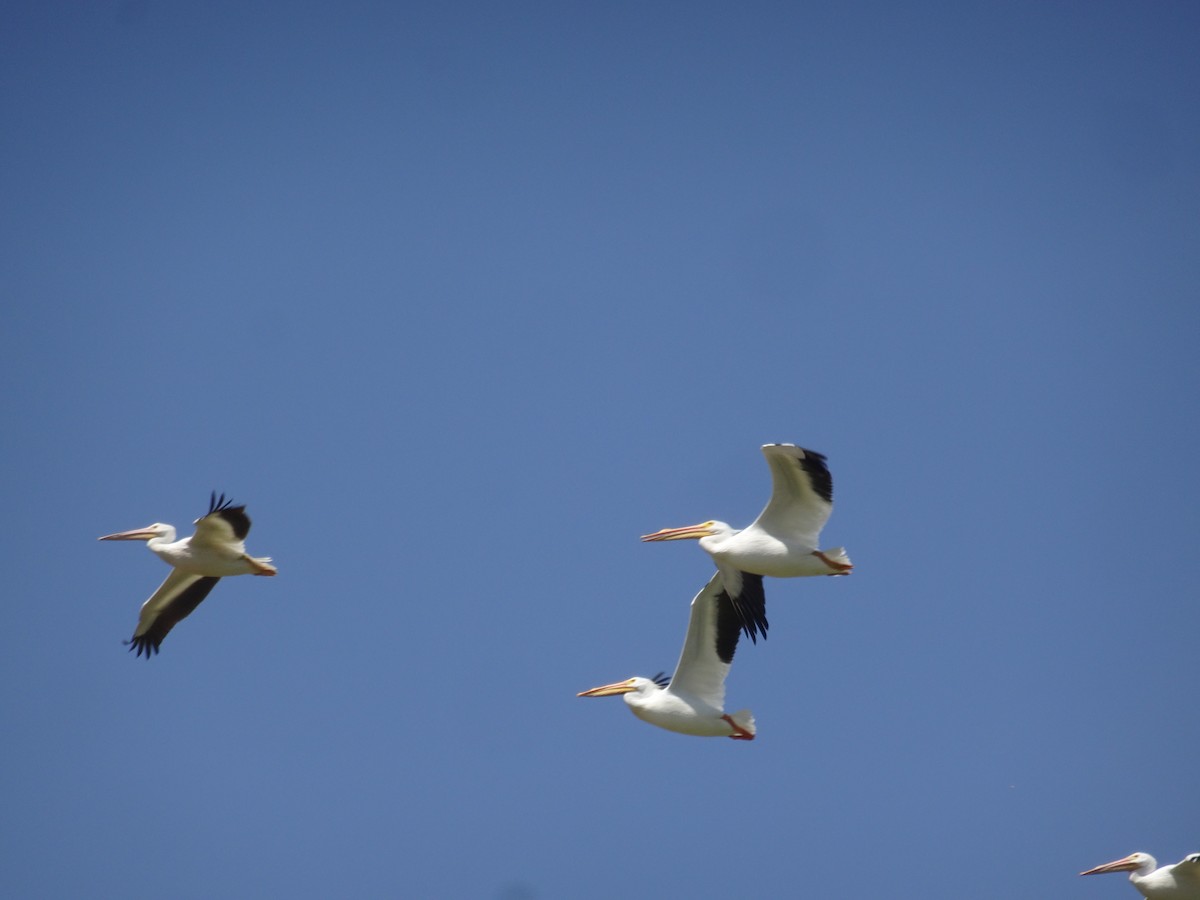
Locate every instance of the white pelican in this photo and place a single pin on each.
(216, 549)
(693, 702)
(781, 542)
(1178, 882)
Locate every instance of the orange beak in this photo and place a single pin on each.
(678, 534)
(608, 690)
(1125, 864)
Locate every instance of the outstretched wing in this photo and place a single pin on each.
(801, 493)
(173, 601)
(223, 524)
(708, 649)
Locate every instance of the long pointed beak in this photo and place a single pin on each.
(679, 534)
(1126, 864)
(138, 534)
(607, 690)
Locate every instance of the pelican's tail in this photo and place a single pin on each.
(262, 565)
(744, 719)
(836, 558)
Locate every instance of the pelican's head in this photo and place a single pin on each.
(635, 685)
(1142, 863)
(157, 530)
(703, 530)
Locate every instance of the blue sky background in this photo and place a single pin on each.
(460, 299)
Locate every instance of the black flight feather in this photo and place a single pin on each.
(750, 606)
(662, 679)
(813, 463)
(729, 626)
(179, 608)
(234, 515)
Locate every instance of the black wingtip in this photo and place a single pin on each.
(662, 679)
(234, 515)
(815, 467)
(143, 646)
(751, 607)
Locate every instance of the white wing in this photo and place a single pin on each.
(801, 493)
(174, 600)
(225, 526)
(708, 649)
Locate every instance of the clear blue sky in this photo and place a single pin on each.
(460, 299)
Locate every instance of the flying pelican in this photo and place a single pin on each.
(781, 542)
(693, 700)
(216, 549)
(1178, 882)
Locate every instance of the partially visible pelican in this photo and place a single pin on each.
(1178, 882)
(216, 549)
(693, 702)
(781, 542)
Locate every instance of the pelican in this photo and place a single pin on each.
(216, 549)
(692, 701)
(1178, 882)
(781, 542)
